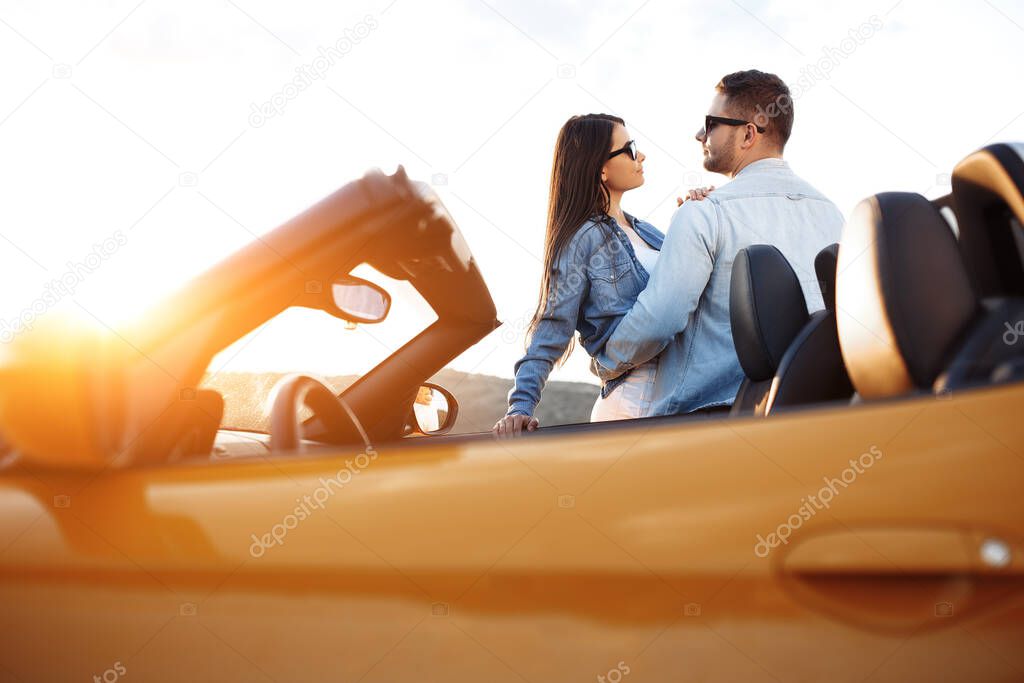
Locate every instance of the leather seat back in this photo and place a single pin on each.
(988, 198)
(812, 370)
(790, 358)
(766, 311)
(910, 318)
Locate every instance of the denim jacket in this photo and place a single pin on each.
(683, 314)
(594, 282)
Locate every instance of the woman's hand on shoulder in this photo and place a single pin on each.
(697, 194)
(511, 426)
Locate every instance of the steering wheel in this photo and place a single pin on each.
(294, 391)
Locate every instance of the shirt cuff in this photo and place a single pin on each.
(606, 374)
(520, 408)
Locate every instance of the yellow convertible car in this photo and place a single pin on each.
(859, 516)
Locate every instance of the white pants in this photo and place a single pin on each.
(629, 400)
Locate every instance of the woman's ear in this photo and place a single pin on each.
(604, 173)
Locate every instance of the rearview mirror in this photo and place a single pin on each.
(434, 410)
(359, 301)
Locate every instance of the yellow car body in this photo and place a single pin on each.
(540, 559)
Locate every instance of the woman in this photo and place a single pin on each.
(597, 260)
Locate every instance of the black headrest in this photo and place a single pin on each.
(905, 297)
(988, 195)
(766, 309)
(825, 267)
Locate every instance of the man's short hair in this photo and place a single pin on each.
(760, 98)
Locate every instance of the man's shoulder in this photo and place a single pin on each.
(804, 187)
(700, 212)
(783, 185)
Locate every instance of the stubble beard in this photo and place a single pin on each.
(713, 163)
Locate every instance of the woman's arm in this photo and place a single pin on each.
(554, 330)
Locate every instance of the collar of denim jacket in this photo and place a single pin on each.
(762, 165)
(648, 233)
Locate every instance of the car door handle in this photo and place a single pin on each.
(905, 551)
(902, 579)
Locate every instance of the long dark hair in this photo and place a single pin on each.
(577, 193)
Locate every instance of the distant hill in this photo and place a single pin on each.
(482, 399)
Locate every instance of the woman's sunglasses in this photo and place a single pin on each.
(710, 122)
(629, 149)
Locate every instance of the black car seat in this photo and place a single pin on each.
(909, 316)
(790, 357)
(812, 369)
(989, 207)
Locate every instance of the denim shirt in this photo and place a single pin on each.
(683, 313)
(594, 282)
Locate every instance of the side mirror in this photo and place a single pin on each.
(434, 410)
(359, 301)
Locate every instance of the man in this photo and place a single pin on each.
(683, 314)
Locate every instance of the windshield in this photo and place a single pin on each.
(311, 342)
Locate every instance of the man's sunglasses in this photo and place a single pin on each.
(629, 149)
(710, 122)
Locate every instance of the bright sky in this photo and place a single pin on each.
(133, 122)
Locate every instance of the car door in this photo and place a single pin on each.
(645, 551)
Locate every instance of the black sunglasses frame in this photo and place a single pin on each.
(629, 148)
(710, 121)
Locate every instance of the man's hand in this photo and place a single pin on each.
(697, 194)
(512, 426)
